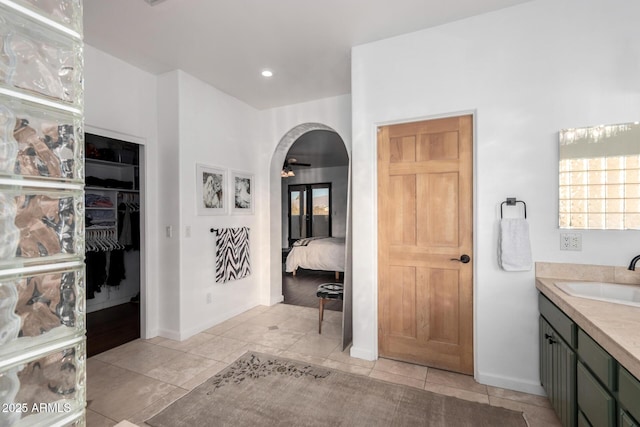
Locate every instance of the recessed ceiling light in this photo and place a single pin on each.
(154, 2)
(267, 73)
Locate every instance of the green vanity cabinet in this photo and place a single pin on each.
(600, 363)
(582, 420)
(594, 401)
(587, 387)
(559, 321)
(558, 373)
(629, 394)
(626, 420)
(596, 376)
(558, 361)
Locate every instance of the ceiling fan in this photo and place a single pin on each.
(291, 161)
(287, 167)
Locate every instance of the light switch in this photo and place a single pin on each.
(169, 231)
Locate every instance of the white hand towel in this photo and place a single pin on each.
(514, 247)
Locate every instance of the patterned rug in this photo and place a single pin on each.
(263, 390)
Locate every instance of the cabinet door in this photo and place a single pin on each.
(600, 363)
(582, 420)
(626, 420)
(629, 392)
(558, 373)
(546, 358)
(594, 400)
(560, 322)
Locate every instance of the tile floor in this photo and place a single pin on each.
(137, 380)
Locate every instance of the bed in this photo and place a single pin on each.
(317, 253)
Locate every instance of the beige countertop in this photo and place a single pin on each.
(615, 327)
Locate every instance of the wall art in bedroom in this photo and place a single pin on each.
(211, 184)
(242, 189)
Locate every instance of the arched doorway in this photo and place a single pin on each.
(278, 159)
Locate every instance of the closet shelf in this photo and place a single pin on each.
(108, 163)
(100, 227)
(120, 190)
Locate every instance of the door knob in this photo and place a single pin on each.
(463, 259)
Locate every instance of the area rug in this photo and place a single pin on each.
(263, 390)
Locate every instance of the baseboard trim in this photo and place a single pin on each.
(275, 300)
(170, 334)
(149, 334)
(509, 383)
(216, 320)
(360, 353)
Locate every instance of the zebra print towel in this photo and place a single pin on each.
(232, 254)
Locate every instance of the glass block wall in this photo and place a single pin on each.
(600, 177)
(42, 300)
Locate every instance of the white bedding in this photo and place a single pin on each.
(320, 254)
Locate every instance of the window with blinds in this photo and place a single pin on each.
(600, 177)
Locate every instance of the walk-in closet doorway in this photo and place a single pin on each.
(114, 239)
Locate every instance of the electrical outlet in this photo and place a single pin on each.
(169, 231)
(570, 241)
(209, 298)
(187, 231)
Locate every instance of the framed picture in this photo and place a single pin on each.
(211, 185)
(242, 189)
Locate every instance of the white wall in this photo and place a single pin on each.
(182, 121)
(526, 72)
(334, 112)
(338, 177)
(122, 99)
(215, 130)
(168, 210)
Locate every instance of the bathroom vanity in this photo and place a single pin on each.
(589, 348)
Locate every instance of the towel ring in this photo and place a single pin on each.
(511, 201)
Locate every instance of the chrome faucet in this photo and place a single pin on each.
(632, 264)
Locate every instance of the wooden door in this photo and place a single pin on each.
(425, 200)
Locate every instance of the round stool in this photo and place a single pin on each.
(327, 292)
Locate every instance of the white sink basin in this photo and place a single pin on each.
(601, 291)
